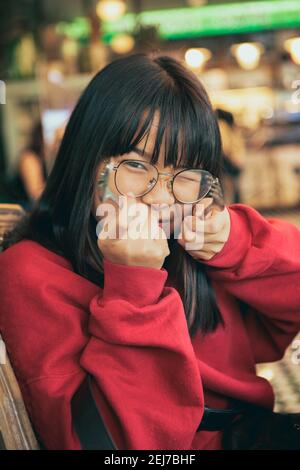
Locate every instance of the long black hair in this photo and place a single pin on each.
(107, 122)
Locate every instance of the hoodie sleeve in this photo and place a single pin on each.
(133, 339)
(149, 373)
(260, 266)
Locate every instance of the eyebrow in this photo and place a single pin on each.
(142, 153)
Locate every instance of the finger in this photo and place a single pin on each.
(188, 233)
(215, 223)
(190, 240)
(212, 247)
(192, 245)
(201, 207)
(192, 232)
(210, 227)
(208, 214)
(194, 223)
(202, 255)
(220, 237)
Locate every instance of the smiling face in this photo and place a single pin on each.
(160, 197)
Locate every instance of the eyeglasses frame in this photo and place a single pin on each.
(114, 167)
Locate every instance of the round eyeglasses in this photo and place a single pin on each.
(139, 177)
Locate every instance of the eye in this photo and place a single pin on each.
(189, 175)
(135, 165)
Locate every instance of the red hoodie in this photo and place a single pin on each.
(150, 379)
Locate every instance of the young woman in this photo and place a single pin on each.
(160, 329)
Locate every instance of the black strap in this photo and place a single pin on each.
(93, 434)
(88, 423)
(215, 419)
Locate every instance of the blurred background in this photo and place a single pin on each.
(247, 54)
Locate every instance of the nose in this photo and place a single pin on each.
(161, 193)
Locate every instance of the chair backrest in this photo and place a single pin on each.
(10, 214)
(16, 432)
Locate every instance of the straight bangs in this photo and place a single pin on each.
(187, 127)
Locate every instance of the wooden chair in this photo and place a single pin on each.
(10, 214)
(16, 432)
